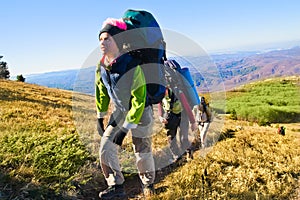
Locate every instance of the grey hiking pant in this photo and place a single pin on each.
(203, 128)
(142, 146)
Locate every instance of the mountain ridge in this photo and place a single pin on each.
(230, 70)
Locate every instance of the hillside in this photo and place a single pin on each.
(41, 153)
(49, 151)
(277, 63)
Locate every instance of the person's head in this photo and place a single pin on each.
(110, 42)
(202, 99)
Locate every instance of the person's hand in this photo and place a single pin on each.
(120, 135)
(100, 126)
(163, 120)
(194, 126)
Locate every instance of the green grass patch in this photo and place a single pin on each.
(265, 102)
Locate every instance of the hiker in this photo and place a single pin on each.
(170, 115)
(174, 117)
(281, 130)
(120, 79)
(203, 117)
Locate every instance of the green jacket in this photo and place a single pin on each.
(171, 103)
(124, 83)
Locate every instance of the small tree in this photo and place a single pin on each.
(4, 73)
(20, 78)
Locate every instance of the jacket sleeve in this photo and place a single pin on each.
(160, 111)
(138, 99)
(101, 95)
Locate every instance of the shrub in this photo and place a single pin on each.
(20, 78)
(233, 115)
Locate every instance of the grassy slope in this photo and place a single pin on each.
(40, 150)
(42, 156)
(252, 162)
(269, 101)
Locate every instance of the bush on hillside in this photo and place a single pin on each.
(4, 72)
(20, 78)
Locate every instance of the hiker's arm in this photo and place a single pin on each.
(159, 110)
(101, 96)
(187, 107)
(160, 113)
(138, 100)
(188, 110)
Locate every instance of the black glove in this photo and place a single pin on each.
(100, 126)
(120, 135)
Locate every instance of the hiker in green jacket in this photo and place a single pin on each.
(176, 119)
(169, 111)
(120, 80)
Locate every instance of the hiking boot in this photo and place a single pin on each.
(148, 191)
(189, 155)
(113, 192)
(174, 159)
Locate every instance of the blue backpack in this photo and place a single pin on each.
(180, 80)
(144, 39)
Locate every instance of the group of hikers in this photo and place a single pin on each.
(175, 119)
(120, 79)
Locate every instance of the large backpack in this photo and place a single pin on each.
(144, 39)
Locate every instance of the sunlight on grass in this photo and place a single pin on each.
(38, 140)
(49, 146)
(255, 164)
(269, 101)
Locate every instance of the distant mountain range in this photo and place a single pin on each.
(275, 63)
(58, 79)
(214, 71)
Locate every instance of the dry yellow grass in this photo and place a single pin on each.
(256, 164)
(39, 144)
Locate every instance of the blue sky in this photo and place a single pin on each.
(51, 35)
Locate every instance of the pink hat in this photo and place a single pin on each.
(113, 26)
